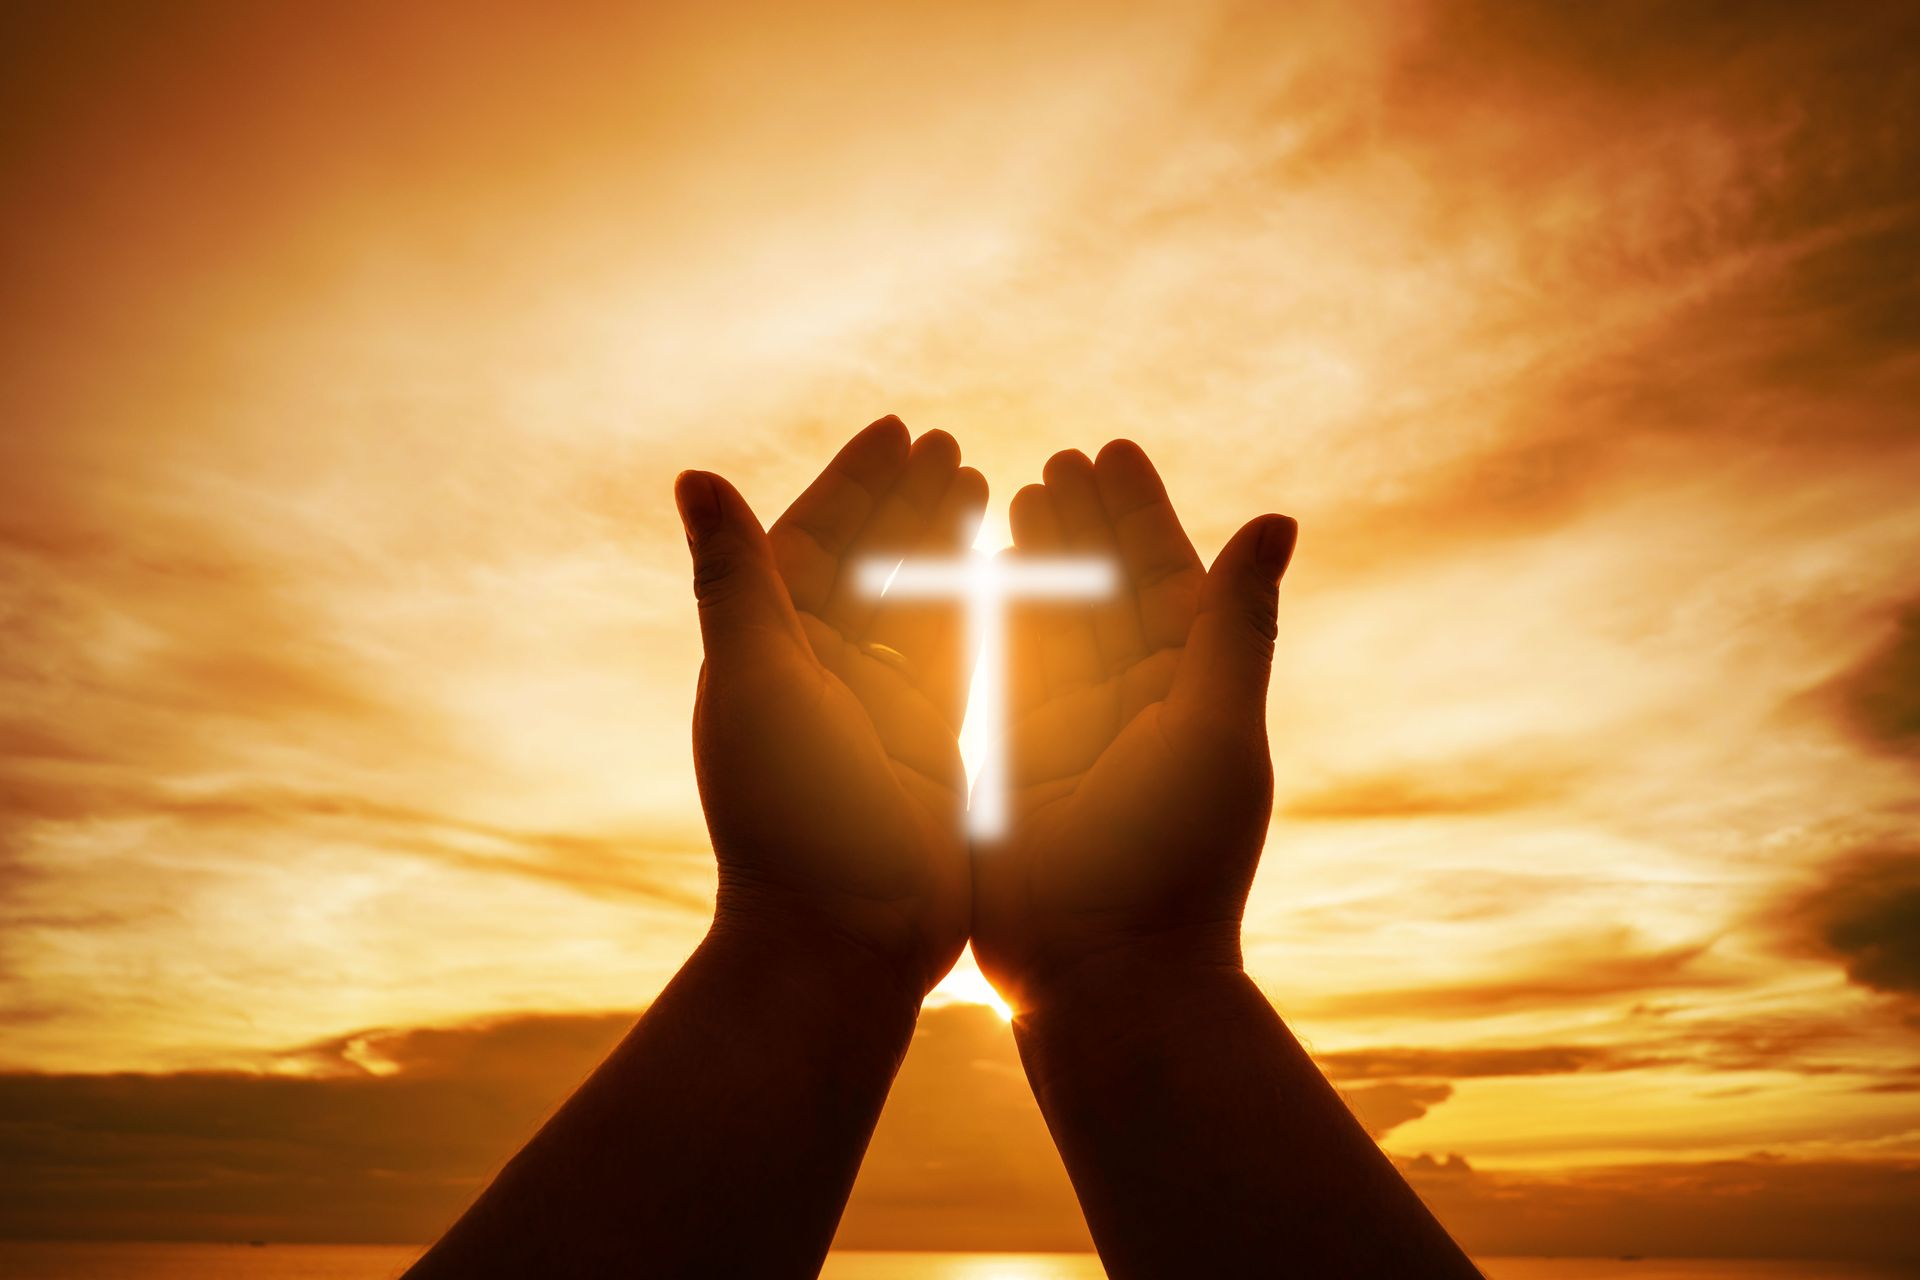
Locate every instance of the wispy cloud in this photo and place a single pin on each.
(1583, 972)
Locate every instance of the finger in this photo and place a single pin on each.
(1075, 496)
(1060, 633)
(897, 525)
(931, 634)
(1083, 520)
(745, 612)
(1163, 572)
(893, 705)
(1030, 518)
(812, 537)
(1223, 673)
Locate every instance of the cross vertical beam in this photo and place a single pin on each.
(984, 585)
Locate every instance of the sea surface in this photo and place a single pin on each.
(46, 1261)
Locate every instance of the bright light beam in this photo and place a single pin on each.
(985, 584)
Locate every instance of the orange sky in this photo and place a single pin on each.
(349, 649)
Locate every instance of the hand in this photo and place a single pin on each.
(825, 728)
(1140, 780)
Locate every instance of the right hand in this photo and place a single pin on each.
(1141, 782)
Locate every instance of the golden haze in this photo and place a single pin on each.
(349, 647)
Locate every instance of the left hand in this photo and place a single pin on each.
(825, 729)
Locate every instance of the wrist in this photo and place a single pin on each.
(1153, 965)
(1128, 1014)
(812, 962)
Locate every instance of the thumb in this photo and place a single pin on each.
(1230, 646)
(744, 606)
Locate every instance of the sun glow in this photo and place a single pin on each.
(965, 984)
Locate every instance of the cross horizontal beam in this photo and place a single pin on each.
(1059, 577)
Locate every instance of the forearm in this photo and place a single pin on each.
(1202, 1140)
(722, 1135)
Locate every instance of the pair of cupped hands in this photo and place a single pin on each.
(826, 725)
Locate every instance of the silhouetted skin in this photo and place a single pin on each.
(1200, 1138)
(723, 1135)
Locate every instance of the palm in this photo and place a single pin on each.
(1117, 780)
(838, 742)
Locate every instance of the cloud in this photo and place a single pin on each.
(1808, 1042)
(384, 1134)
(1866, 914)
(1758, 1207)
(1880, 697)
(1442, 790)
(613, 865)
(1471, 1063)
(1382, 1108)
(549, 1050)
(1805, 1044)
(239, 1156)
(1708, 183)
(1583, 972)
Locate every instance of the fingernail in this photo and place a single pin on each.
(1277, 538)
(699, 503)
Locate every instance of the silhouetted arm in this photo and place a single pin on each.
(720, 1138)
(723, 1135)
(1201, 1140)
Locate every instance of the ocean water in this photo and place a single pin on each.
(25, 1260)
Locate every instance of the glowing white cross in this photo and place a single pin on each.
(986, 583)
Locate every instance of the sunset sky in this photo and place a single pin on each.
(346, 812)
